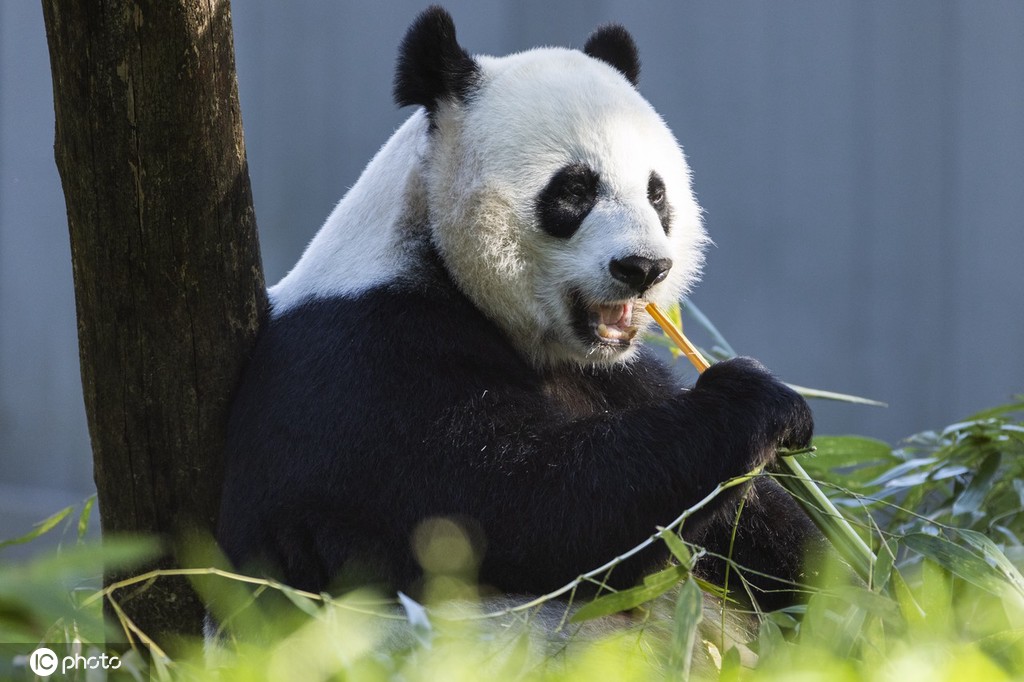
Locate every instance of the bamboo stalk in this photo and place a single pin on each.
(799, 484)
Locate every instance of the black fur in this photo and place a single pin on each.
(567, 199)
(432, 66)
(656, 195)
(614, 45)
(359, 418)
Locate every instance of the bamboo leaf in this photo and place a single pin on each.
(304, 604)
(83, 518)
(653, 587)
(999, 411)
(688, 615)
(958, 561)
(847, 450)
(992, 553)
(418, 618)
(900, 472)
(882, 569)
(675, 545)
(977, 490)
(40, 529)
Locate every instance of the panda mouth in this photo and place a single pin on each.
(613, 323)
(609, 324)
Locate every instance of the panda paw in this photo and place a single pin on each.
(773, 414)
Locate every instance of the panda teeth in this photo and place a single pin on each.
(615, 333)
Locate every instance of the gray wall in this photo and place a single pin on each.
(861, 165)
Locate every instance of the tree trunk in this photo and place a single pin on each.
(168, 279)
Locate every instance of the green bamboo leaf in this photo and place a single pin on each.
(40, 528)
(83, 518)
(993, 554)
(845, 451)
(882, 569)
(769, 638)
(959, 561)
(716, 591)
(688, 615)
(999, 411)
(303, 603)
(675, 545)
(977, 490)
(653, 587)
(899, 474)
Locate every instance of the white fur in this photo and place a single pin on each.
(363, 242)
(476, 179)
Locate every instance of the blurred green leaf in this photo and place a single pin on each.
(883, 567)
(688, 614)
(40, 528)
(999, 411)
(83, 518)
(958, 561)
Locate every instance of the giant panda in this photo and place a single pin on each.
(463, 339)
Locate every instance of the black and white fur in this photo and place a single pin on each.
(460, 340)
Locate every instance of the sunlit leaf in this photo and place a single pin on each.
(83, 518)
(848, 450)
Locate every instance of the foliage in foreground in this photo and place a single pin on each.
(944, 601)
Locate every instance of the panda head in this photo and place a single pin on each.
(557, 197)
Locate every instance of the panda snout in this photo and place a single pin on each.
(639, 273)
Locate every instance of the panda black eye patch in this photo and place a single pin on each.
(567, 199)
(656, 195)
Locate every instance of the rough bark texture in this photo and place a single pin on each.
(168, 278)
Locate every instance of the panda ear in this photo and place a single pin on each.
(432, 66)
(614, 45)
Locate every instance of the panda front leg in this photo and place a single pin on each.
(774, 539)
(585, 491)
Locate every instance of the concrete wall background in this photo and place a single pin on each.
(861, 165)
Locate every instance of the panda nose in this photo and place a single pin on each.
(638, 272)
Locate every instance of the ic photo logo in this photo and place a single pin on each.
(44, 662)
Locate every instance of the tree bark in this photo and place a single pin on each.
(168, 278)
